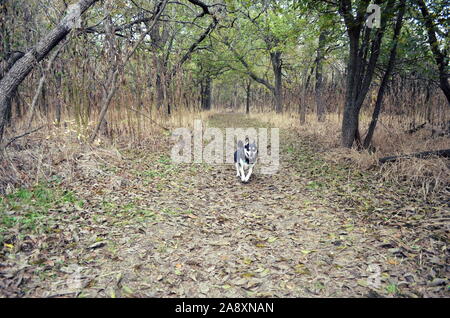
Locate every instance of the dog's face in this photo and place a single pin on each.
(251, 152)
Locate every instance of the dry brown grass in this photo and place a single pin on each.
(48, 154)
(426, 177)
(65, 152)
(57, 150)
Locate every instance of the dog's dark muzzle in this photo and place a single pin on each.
(252, 159)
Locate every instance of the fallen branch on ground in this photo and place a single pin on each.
(434, 130)
(415, 129)
(445, 153)
(20, 136)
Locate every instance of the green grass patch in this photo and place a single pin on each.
(28, 208)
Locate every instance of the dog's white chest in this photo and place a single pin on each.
(246, 165)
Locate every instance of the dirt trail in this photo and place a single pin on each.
(194, 230)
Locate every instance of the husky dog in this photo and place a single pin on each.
(245, 159)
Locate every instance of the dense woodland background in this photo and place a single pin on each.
(296, 57)
(127, 68)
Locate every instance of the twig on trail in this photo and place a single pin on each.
(141, 113)
(104, 275)
(64, 294)
(20, 136)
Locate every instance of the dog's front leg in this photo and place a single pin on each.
(242, 173)
(250, 170)
(237, 169)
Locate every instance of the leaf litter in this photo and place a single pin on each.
(148, 228)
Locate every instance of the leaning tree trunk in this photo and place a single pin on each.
(25, 65)
(5, 66)
(387, 74)
(7, 57)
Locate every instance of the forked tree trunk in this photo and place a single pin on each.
(275, 58)
(361, 67)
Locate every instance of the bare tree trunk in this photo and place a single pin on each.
(235, 97)
(206, 93)
(302, 105)
(320, 106)
(159, 39)
(247, 105)
(275, 57)
(7, 63)
(59, 95)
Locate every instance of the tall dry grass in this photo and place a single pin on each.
(63, 149)
(425, 176)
